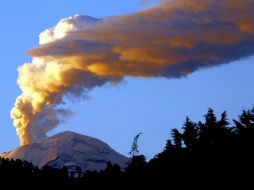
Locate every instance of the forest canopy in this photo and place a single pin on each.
(212, 151)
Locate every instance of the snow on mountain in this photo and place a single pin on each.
(69, 149)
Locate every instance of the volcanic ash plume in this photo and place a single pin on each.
(171, 39)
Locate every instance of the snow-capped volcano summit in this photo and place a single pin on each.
(69, 149)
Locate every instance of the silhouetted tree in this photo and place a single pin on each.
(210, 118)
(111, 171)
(223, 122)
(137, 166)
(134, 148)
(190, 134)
(177, 138)
(169, 146)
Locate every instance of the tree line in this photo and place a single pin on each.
(212, 152)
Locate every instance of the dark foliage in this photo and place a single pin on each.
(134, 148)
(201, 155)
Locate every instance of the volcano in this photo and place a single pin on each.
(71, 150)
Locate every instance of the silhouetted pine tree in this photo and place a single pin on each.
(177, 138)
(190, 134)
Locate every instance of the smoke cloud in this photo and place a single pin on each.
(171, 39)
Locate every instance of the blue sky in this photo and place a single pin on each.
(115, 114)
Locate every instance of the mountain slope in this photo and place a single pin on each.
(69, 149)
